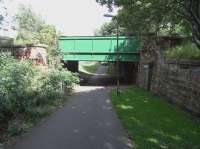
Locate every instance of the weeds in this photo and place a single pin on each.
(28, 93)
(187, 51)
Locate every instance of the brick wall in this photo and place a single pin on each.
(36, 53)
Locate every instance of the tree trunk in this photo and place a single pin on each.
(192, 14)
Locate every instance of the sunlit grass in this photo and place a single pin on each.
(153, 123)
(89, 68)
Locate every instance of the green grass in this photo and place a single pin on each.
(89, 68)
(153, 123)
(187, 51)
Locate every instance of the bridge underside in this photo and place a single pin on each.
(108, 57)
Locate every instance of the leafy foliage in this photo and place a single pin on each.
(33, 30)
(29, 25)
(190, 11)
(106, 29)
(47, 35)
(147, 15)
(186, 51)
(109, 29)
(15, 85)
(22, 86)
(172, 16)
(3, 13)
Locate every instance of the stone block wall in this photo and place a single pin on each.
(181, 86)
(179, 83)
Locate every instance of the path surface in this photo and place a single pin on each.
(87, 121)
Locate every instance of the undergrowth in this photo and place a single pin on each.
(187, 51)
(28, 93)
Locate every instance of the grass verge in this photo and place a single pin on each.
(89, 68)
(153, 123)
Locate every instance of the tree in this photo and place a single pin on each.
(158, 15)
(106, 29)
(48, 36)
(3, 14)
(29, 25)
(191, 12)
(33, 30)
(109, 29)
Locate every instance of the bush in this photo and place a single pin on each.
(187, 51)
(51, 84)
(24, 87)
(15, 80)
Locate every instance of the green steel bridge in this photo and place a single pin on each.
(97, 48)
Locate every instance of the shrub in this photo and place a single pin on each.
(51, 84)
(24, 87)
(185, 51)
(15, 80)
(14, 128)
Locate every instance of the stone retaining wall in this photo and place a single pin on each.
(177, 82)
(181, 86)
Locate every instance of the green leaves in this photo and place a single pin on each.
(188, 51)
(149, 15)
(47, 35)
(3, 14)
(15, 78)
(23, 86)
(32, 29)
(107, 29)
(29, 24)
(28, 93)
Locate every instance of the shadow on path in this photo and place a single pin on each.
(86, 121)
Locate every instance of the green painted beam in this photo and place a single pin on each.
(95, 48)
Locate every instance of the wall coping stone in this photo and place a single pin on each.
(184, 63)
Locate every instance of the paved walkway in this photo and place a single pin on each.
(87, 121)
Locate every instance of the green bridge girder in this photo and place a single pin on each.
(99, 48)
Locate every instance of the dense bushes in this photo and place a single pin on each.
(183, 52)
(24, 88)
